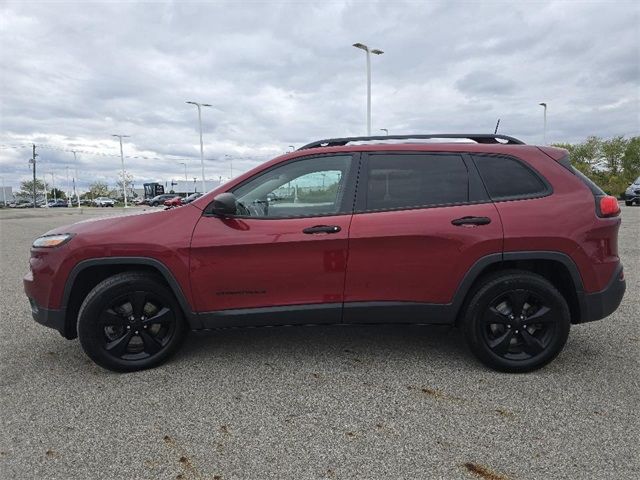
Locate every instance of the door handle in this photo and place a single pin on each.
(322, 229)
(471, 221)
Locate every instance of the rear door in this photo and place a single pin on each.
(422, 220)
(282, 259)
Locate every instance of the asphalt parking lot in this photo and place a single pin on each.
(319, 402)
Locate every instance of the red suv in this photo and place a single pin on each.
(506, 240)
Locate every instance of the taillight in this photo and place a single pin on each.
(609, 206)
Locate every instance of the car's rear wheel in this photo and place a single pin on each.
(627, 203)
(130, 321)
(516, 321)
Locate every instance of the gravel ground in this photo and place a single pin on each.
(321, 403)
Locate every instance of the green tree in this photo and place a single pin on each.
(98, 189)
(613, 150)
(57, 193)
(631, 160)
(26, 189)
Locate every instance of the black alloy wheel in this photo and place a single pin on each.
(516, 321)
(130, 321)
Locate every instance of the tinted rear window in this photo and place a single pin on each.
(507, 178)
(413, 180)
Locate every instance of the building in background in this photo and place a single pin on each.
(6, 193)
(183, 188)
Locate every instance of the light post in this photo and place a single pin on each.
(375, 51)
(53, 187)
(4, 193)
(124, 179)
(68, 189)
(544, 134)
(292, 147)
(200, 105)
(185, 171)
(385, 130)
(230, 163)
(75, 181)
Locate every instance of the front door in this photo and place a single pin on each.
(282, 258)
(421, 222)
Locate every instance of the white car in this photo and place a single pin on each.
(104, 202)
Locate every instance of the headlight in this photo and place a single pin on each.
(48, 241)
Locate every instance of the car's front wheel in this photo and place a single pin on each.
(130, 321)
(628, 203)
(516, 321)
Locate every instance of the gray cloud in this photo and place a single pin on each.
(282, 73)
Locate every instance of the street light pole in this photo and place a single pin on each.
(53, 187)
(200, 105)
(185, 171)
(544, 134)
(375, 51)
(75, 186)
(68, 189)
(124, 179)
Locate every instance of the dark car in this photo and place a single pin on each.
(505, 240)
(160, 199)
(192, 197)
(632, 194)
(59, 203)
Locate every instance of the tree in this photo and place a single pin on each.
(613, 150)
(57, 193)
(98, 189)
(128, 181)
(26, 189)
(611, 163)
(631, 160)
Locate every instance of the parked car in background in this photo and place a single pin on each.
(173, 202)
(191, 198)
(104, 202)
(59, 203)
(632, 194)
(160, 199)
(507, 241)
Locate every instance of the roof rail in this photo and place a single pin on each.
(476, 137)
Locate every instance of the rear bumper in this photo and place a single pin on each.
(596, 306)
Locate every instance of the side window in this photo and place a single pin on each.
(414, 180)
(507, 178)
(308, 187)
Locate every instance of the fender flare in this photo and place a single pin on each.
(189, 314)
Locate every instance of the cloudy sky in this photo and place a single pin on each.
(283, 73)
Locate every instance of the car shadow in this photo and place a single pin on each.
(425, 342)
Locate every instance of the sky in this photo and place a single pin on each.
(281, 73)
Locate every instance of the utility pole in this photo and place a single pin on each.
(33, 160)
(75, 180)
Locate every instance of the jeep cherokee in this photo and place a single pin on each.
(505, 240)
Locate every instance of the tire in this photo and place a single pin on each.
(627, 203)
(116, 324)
(503, 339)
(155, 204)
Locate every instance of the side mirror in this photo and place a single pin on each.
(224, 205)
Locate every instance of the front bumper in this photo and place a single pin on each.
(631, 197)
(49, 318)
(596, 306)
